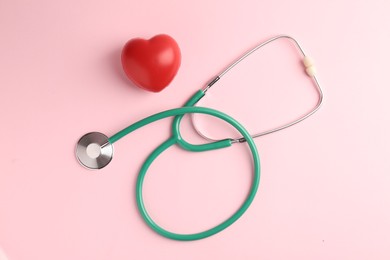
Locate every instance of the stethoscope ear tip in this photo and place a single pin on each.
(94, 151)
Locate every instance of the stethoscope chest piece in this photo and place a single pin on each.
(94, 151)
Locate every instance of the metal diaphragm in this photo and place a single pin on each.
(94, 151)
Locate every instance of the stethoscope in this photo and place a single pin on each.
(95, 150)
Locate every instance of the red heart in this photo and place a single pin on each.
(151, 64)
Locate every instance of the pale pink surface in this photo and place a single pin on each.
(325, 185)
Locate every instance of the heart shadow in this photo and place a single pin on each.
(114, 62)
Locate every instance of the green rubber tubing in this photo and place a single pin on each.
(176, 138)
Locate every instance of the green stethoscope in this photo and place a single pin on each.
(95, 150)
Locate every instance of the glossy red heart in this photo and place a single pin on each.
(151, 64)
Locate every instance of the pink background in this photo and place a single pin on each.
(325, 185)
